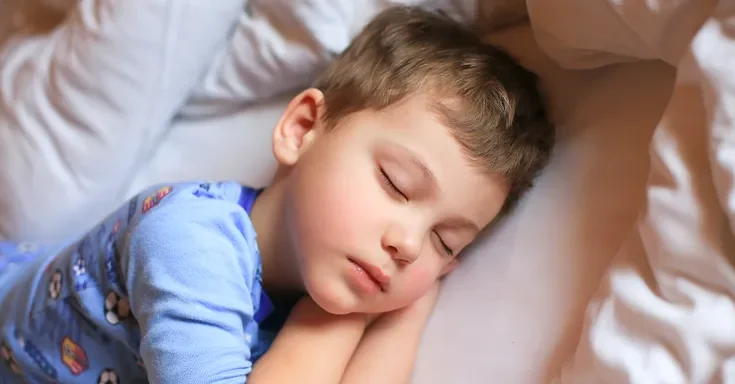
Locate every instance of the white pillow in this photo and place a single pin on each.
(84, 106)
(285, 44)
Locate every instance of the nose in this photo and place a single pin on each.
(402, 244)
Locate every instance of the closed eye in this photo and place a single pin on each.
(391, 186)
(444, 245)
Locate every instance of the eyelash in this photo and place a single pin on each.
(389, 183)
(444, 245)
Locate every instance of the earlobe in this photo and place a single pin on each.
(298, 126)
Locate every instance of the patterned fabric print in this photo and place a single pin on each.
(66, 325)
(17, 253)
(151, 201)
(68, 314)
(108, 376)
(79, 325)
(8, 358)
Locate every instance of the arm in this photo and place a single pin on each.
(387, 352)
(188, 273)
(313, 347)
(317, 347)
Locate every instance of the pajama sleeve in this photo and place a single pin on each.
(189, 269)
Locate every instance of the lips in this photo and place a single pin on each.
(375, 273)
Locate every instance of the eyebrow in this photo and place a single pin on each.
(414, 159)
(462, 222)
(429, 177)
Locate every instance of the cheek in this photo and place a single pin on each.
(334, 202)
(416, 281)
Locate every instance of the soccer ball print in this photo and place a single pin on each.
(26, 247)
(108, 376)
(117, 308)
(54, 285)
(6, 354)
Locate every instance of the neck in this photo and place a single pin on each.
(281, 276)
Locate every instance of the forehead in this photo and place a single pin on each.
(411, 131)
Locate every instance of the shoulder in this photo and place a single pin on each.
(189, 221)
(168, 194)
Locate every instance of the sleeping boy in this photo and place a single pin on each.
(411, 142)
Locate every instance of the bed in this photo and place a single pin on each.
(525, 305)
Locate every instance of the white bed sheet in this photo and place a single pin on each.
(665, 310)
(512, 311)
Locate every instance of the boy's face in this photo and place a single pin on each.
(379, 208)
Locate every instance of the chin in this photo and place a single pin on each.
(331, 298)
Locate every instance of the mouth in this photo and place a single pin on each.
(374, 273)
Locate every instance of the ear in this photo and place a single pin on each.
(449, 267)
(298, 126)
